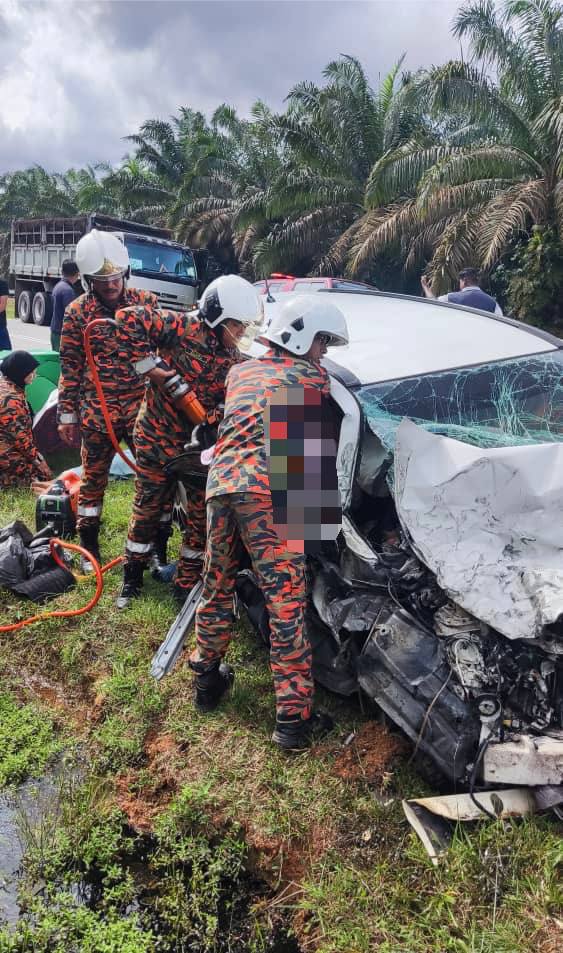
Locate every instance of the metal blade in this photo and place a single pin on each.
(168, 653)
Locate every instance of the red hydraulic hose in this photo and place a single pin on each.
(55, 541)
(100, 392)
(68, 613)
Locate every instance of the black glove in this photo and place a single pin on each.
(204, 436)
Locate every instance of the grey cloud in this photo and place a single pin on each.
(145, 59)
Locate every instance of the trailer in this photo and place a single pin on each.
(40, 245)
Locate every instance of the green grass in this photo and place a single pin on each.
(27, 741)
(329, 857)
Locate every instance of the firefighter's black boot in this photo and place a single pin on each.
(132, 584)
(89, 540)
(159, 556)
(210, 686)
(297, 734)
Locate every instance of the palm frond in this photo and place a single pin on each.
(381, 229)
(509, 214)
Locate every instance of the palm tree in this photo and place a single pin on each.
(148, 183)
(34, 192)
(330, 138)
(233, 165)
(498, 174)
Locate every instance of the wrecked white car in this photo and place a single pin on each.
(442, 598)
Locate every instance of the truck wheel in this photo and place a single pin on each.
(24, 306)
(42, 308)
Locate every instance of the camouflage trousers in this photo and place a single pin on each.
(97, 452)
(152, 512)
(246, 519)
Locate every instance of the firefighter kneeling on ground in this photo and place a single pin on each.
(239, 509)
(201, 348)
(103, 262)
(21, 464)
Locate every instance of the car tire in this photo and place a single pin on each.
(24, 306)
(42, 308)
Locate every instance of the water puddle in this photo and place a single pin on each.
(29, 818)
(24, 807)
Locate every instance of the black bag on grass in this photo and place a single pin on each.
(26, 564)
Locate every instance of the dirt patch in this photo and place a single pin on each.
(59, 700)
(138, 810)
(370, 754)
(163, 755)
(142, 802)
(550, 938)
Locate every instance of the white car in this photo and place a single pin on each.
(442, 598)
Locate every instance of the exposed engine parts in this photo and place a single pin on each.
(378, 621)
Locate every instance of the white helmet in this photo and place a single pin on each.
(102, 255)
(295, 325)
(231, 296)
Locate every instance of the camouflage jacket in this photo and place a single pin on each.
(20, 460)
(189, 347)
(239, 463)
(114, 356)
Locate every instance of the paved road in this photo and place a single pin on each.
(28, 337)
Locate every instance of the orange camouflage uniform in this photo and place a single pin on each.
(239, 510)
(78, 402)
(162, 431)
(20, 460)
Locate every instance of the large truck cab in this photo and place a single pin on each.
(39, 246)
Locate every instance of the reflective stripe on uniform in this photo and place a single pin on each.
(132, 547)
(187, 553)
(68, 419)
(89, 510)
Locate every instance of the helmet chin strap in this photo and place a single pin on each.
(227, 333)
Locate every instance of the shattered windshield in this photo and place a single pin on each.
(505, 403)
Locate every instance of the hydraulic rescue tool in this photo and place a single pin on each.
(187, 464)
(169, 651)
(175, 388)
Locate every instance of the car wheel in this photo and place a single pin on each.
(41, 308)
(24, 306)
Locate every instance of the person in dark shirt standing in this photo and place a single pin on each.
(5, 343)
(469, 294)
(65, 291)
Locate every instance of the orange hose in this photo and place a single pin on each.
(68, 613)
(100, 392)
(55, 541)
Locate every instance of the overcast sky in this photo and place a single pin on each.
(76, 77)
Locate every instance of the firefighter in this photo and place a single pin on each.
(239, 509)
(20, 461)
(103, 262)
(201, 348)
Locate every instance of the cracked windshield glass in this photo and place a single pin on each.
(505, 403)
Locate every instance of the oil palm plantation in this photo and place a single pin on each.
(237, 160)
(329, 139)
(498, 174)
(34, 192)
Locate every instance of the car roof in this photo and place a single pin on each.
(394, 336)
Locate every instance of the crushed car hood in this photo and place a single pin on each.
(489, 524)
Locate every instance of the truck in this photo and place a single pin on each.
(40, 245)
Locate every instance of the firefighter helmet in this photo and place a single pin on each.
(101, 255)
(295, 325)
(231, 297)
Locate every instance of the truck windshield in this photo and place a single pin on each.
(171, 264)
(510, 402)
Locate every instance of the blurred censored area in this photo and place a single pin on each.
(301, 446)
